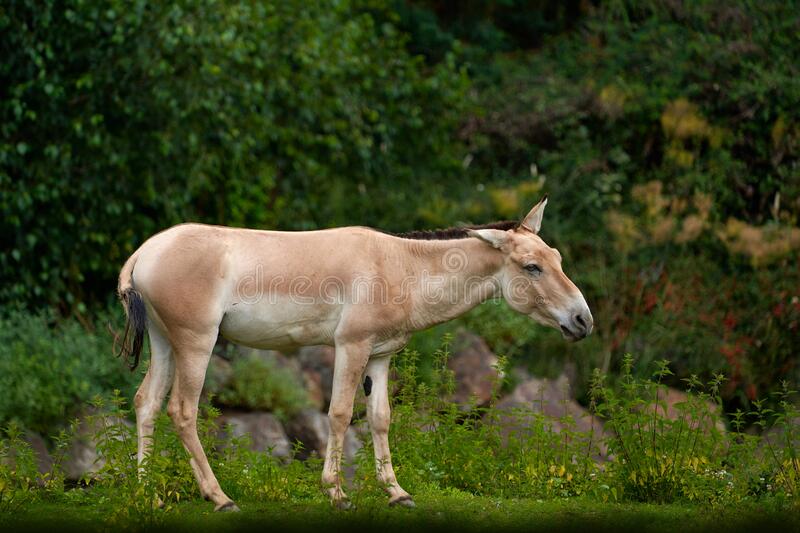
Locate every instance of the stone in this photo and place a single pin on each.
(551, 398)
(265, 430)
(44, 461)
(219, 372)
(669, 399)
(311, 428)
(316, 365)
(474, 367)
(81, 457)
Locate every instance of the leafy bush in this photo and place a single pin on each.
(49, 369)
(660, 459)
(261, 384)
(666, 135)
(121, 118)
(688, 456)
(782, 448)
(655, 456)
(698, 96)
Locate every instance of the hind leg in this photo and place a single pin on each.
(151, 393)
(191, 359)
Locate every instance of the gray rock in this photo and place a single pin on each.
(219, 372)
(312, 428)
(265, 430)
(553, 399)
(473, 365)
(81, 457)
(44, 461)
(316, 364)
(668, 407)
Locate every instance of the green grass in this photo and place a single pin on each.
(682, 474)
(439, 510)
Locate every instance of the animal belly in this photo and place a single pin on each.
(279, 326)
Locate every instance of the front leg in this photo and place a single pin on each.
(379, 416)
(349, 363)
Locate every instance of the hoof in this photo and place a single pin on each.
(403, 501)
(228, 507)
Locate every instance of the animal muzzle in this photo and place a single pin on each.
(578, 324)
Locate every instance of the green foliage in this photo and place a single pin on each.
(439, 449)
(49, 369)
(655, 454)
(701, 96)
(21, 482)
(120, 119)
(480, 29)
(140, 495)
(18, 471)
(149, 491)
(688, 456)
(667, 136)
(783, 447)
(661, 459)
(436, 444)
(261, 384)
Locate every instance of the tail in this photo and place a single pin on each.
(133, 338)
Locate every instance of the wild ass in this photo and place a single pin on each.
(355, 288)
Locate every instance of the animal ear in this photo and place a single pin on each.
(533, 220)
(495, 237)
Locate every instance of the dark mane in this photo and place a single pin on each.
(453, 233)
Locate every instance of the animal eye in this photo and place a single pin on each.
(533, 269)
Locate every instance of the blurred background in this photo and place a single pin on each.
(666, 134)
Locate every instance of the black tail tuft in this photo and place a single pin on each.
(133, 338)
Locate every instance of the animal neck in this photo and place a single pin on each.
(452, 277)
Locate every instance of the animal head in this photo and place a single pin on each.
(533, 281)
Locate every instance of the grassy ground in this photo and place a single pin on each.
(434, 512)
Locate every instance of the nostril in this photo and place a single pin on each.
(580, 321)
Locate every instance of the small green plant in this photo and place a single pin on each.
(661, 459)
(21, 482)
(18, 472)
(261, 384)
(780, 441)
(134, 491)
